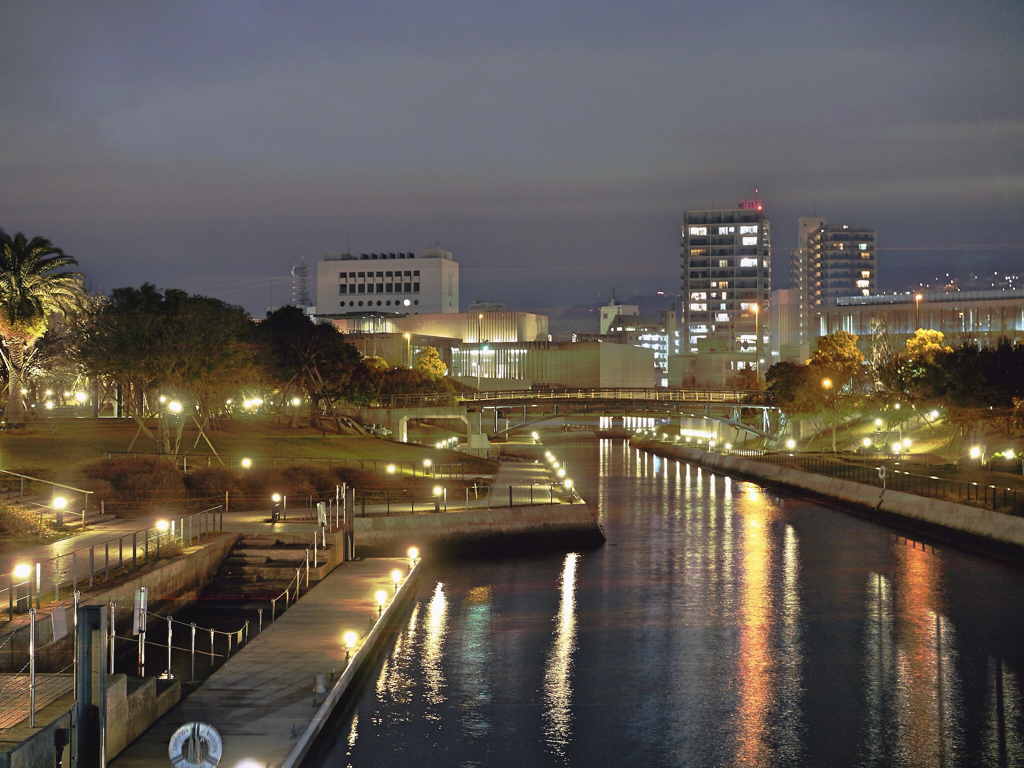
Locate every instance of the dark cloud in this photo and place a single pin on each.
(551, 146)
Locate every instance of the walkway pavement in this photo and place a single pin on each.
(261, 700)
(530, 483)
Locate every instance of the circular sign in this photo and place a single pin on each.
(195, 745)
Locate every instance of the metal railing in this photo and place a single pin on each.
(23, 478)
(999, 498)
(450, 469)
(119, 555)
(383, 502)
(626, 394)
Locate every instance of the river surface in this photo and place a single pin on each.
(720, 625)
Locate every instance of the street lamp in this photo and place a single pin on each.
(350, 642)
(382, 597)
(174, 406)
(826, 383)
(246, 463)
(391, 469)
(396, 577)
(917, 310)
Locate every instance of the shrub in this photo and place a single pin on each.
(138, 479)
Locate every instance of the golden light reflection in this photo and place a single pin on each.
(396, 681)
(790, 675)
(927, 705)
(1003, 739)
(436, 626)
(754, 665)
(353, 733)
(557, 689)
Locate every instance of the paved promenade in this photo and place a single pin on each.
(261, 700)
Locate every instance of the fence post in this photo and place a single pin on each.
(261, 620)
(211, 649)
(273, 612)
(113, 634)
(510, 497)
(298, 572)
(32, 667)
(307, 568)
(106, 563)
(170, 631)
(193, 677)
(74, 571)
(92, 564)
(56, 581)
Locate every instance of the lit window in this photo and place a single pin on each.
(862, 246)
(865, 292)
(722, 317)
(865, 274)
(748, 229)
(863, 283)
(694, 307)
(750, 241)
(698, 295)
(723, 263)
(698, 231)
(726, 230)
(748, 263)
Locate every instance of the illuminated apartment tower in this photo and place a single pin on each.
(726, 263)
(799, 277)
(840, 264)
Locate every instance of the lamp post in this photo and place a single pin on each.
(408, 350)
(826, 384)
(917, 310)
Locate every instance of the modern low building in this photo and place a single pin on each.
(982, 316)
(658, 335)
(427, 283)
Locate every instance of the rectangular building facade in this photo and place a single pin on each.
(841, 264)
(726, 283)
(347, 283)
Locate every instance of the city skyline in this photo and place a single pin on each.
(551, 149)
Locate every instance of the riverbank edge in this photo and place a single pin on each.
(480, 530)
(368, 648)
(989, 532)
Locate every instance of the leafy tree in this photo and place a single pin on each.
(838, 358)
(314, 358)
(430, 364)
(31, 291)
(188, 348)
(925, 345)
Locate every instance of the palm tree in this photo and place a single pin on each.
(30, 292)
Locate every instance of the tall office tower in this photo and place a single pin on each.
(799, 278)
(840, 264)
(726, 265)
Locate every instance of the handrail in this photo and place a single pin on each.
(47, 482)
(640, 394)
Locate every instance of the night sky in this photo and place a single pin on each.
(553, 147)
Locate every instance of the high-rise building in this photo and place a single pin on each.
(391, 283)
(800, 276)
(840, 264)
(726, 267)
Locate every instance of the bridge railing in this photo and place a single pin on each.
(639, 394)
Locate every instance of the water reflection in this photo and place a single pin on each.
(753, 672)
(433, 646)
(558, 669)
(472, 656)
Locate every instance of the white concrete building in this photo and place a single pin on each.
(390, 283)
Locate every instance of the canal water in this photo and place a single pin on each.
(720, 625)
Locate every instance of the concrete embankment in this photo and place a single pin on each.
(548, 525)
(991, 532)
(172, 584)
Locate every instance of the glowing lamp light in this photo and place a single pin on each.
(391, 469)
(878, 422)
(414, 553)
(897, 406)
(247, 403)
(396, 576)
(163, 398)
(567, 483)
(1009, 454)
(561, 473)
(22, 571)
(24, 391)
(162, 526)
(174, 406)
(896, 447)
(728, 446)
(556, 465)
(49, 405)
(975, 452)
(296, 401)
(866, 442)
(276, 497)
(791, 444)
(933, 415)
(59, 502)
(350, 640)
(49, 393)
(382, 597)
(427, 463)
(826, 383)
(67, 394)
(246, 463)
(79, 396)
(906, 442)
(534, 435)
(438, 490)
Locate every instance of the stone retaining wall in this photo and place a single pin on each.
(548, 524)
(990, 531)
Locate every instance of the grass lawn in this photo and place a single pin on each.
(77, 442)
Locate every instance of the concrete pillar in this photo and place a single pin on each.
(475, 438)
